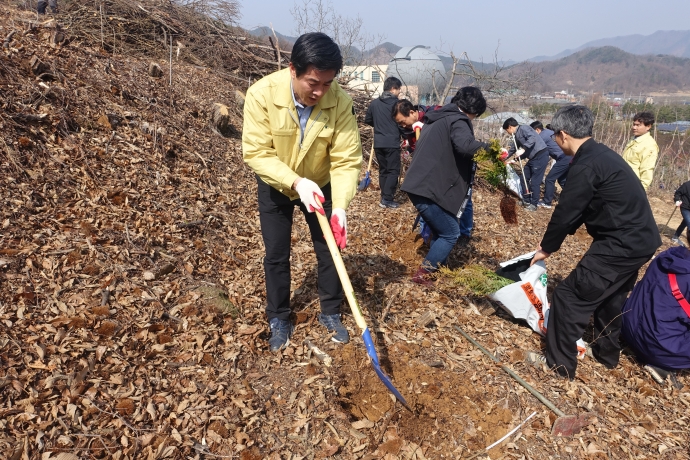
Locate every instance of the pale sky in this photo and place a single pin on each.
(520, 29)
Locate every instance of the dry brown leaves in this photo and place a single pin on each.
(132, 295)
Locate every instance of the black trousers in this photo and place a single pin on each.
(534, 173)
(389, 171)
(598, 286)
(275, 215)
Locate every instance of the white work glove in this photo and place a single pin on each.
(678, 203)
(405, 144)
(503, 156)
(519, 152)
(417, 125)
(310, 194)
(339, 227)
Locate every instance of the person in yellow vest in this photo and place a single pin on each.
(300, 137)
(642, 151)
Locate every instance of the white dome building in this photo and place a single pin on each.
(418, 69)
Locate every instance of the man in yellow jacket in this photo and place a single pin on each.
(642, 151)
(300, 137)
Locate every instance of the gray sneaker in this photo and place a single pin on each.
(281, 331)
(531, 208)
(541, 204)
(333, 323)
(389, 204)
(535, 359)
(676, 240)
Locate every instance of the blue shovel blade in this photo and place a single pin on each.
(371, 351)
(365, 182)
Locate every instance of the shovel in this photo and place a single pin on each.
(367, 178)
(354, 306)
(671, 216)
(521, 168)
(565, 425)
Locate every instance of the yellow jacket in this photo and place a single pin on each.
(640, 154)
(331, 150)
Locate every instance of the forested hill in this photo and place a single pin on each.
(612, 69)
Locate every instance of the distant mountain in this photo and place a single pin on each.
(671, 42)
(611, 69)
(266, 32)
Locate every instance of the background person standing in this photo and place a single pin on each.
(642, 151)
(532, 147)
(386, 140)
(559, 170)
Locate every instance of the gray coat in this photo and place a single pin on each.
(528, 139)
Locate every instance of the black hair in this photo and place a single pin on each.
(470, 100)
(537, 125)
(391, 83)
(315, 49)
(646, 118)
(403, 107)
(549, 127)
(510, 122)
(576, 120)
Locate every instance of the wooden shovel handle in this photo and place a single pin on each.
(342, 272)
(371, 156)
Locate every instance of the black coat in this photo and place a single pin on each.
(683, 194)
(380, 115)
(442, 163)
(604, 193)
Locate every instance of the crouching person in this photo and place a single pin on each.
(300, 137)
(441, 171)
(656, 316)
(605, 195)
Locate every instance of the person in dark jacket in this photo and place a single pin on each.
(656, 324)
(682, 199)
(438, 179)
(386, 140)
(605, 195)
(528, 144)
(559, 170)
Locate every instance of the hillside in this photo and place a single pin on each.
(672, 42)
(132, 292)
(611, 69)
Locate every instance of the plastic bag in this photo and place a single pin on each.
(513, 181)
(526, 299)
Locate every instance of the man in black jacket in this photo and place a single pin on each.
(386, 140)
(603, 193)
(439, 176)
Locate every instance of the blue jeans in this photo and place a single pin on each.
(559, 172)
(445, 227)
(686, 222)
(466, 220)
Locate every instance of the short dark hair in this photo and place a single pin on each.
(316, 49)
(646, 118)
(470, 100)
(548, 126)
(576, 120)
(537, 125)
(510, 122)
(403, 107)
(391, 83)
